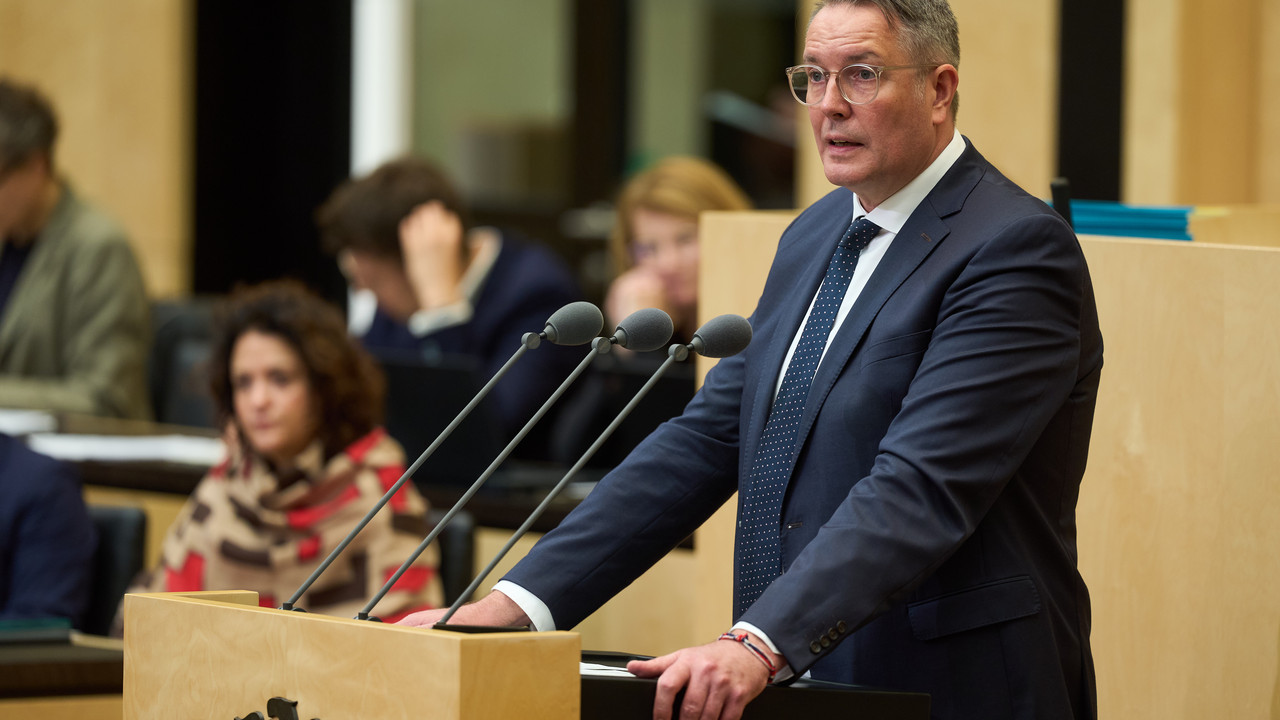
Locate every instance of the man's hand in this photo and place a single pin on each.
(494, 609)
(431, 240)
(718, 680)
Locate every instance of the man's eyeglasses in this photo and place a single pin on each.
(858, 83)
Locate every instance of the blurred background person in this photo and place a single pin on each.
(46, 537)
(301, 404)
(654, 244)
(444, 288)
(74, 327)
(654, 250)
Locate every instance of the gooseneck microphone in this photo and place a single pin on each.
(642, 330)
(721, 336)
(574, 324)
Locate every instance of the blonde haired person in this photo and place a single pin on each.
(654, 244)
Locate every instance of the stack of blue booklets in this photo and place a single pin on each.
(1162, 222)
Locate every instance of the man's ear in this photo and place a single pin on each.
(945, 81)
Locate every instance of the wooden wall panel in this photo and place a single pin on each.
(1178, 539)
(1202, 82)
(119, 76)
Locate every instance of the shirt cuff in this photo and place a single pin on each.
(784, 670)
(425, 322)
(536, 610)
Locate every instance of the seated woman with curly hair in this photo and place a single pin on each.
(306, 459)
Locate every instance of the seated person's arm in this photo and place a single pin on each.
(53, 551)
(106, 339)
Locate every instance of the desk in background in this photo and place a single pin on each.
(80, 677)
(649, 617)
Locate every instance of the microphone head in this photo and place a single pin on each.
(574, 324)
(722, 336)
(644, 330)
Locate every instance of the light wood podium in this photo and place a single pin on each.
(219, 655)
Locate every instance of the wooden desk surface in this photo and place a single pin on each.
(49, 669)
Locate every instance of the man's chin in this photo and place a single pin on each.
(843, 174)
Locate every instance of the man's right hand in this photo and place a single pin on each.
(493, 609)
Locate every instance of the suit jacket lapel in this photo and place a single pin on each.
(923, 231)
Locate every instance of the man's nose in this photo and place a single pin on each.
(833, 102)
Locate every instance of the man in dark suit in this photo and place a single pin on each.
(907, 431)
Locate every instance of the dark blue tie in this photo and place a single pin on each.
(760, 505)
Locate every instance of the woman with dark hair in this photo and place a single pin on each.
(306, 459)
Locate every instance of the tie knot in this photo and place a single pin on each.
(859, 234)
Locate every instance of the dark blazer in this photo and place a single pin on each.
(47, 539)
(928, 533)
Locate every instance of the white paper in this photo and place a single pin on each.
(25, 422)
(185, 449)
(597, 670)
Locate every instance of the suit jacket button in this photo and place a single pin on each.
(841, 627)
(826, 642)
(833, 634)
(814, 647)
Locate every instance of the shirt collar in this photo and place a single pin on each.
(892, 214)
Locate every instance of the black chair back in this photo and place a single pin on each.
(178, 370)
(457, 543)
(122, 538)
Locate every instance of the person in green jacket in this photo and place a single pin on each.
(74, 316)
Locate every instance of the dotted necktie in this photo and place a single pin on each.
(760, 509)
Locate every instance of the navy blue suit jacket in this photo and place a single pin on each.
(928, 534)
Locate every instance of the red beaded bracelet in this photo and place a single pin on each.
(764, 656)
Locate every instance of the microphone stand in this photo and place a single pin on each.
(676, 353)
(599, 346)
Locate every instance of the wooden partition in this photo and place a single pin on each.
(1249, 225)
(1178, 535)
(1179, 539)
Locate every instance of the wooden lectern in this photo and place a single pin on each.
(219, 655)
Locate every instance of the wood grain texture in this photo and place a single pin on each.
(89, 707)
(1178, 539)
(199, 657)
